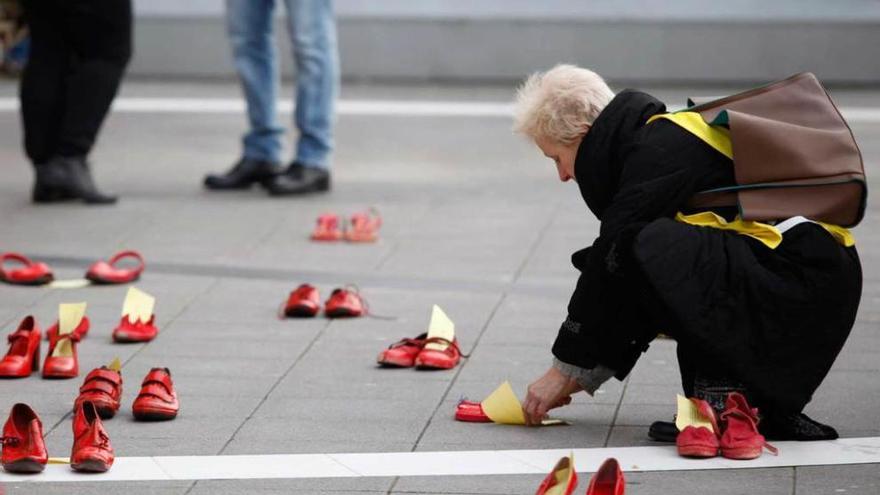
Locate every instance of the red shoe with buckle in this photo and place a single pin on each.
(23, 447)
(471, 412)
(104, 272)
(303, 302)
(81, 330)
(741, 439)
(157, 400)
(62, 362)
(699, 441)
(433, 359)
(402, 354)
(608, 480)
(103, 388)
(327, 228)
(30, 274)
(562, 480)
(364, 227)
(137, 331)
(24, 351)
(92, 452)
(344, 303)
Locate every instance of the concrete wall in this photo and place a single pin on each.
(491, 40)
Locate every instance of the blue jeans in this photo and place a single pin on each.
(313, 35)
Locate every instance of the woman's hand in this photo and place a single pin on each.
(551, 390)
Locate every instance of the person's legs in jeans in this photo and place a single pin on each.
(313, 35)
(249, 23)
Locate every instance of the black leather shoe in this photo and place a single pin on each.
(663, 431)
(242, 175)
(67, 178)
(798, 427)
(299, 179)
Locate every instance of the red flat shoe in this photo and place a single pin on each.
(157, 400)
(23, 356)
(62, 362)
(103, 388)
(23, 447)
(433, 359)
(30, 274)
(303, 302)
(699, 441)
(81, 330)
(471, 412)
(344, 303)
(741, 440)
(92, 452)
(402, 354)
(608, 480)
(562, 480)
(327, 229)
(138, 331)
(364, 227)
(104, 272)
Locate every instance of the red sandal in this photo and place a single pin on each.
(32, 273)
(364, 227)
(106, 272)
(327, 229)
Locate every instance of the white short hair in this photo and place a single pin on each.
(560, 104)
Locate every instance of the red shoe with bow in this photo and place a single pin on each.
(439, 359)
(402, 354)
(62, 361)
(23, 447)
(106, 272)
(741, 439)
(303, 302)
(103, 388)
(608, 480)
(138, 331)
(23, 356)
(344, 303)
(32, 273)
(157, 400)
(92, 452)
(562, 480)
(81, 330)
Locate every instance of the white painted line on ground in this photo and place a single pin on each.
(404, 108)
(462, 463)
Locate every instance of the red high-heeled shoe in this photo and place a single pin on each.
(91, 452)
(303, 302)
(105, 272)
(23, 447)
(103, 388)
(23, 356)
(562, 480)
(62, 361)
(608, 480)
(30, 274)
(157, 400)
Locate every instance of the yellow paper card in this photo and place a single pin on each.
(440, 327)
(689, 415)
(59, 460)
(116, 365)
(138, 305)
(69, 316)
(503, 407)
(562, 472)
(76, 283)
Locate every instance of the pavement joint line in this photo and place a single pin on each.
(616, 411)
(846, 451)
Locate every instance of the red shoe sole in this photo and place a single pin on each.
(37, 281)
(342, 313)
(59, 376)
(24, 466)
(742, 453)
(91, 466)
(391, 363)
(154, 415)
(431, 364)
(301, 312)
(698, 451)
(103, 281)
(125, 339)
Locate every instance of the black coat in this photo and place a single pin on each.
(774, 319)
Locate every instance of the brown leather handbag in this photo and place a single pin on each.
(793, 154)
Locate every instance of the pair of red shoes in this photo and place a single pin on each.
(25, 452)
(156, 401)
(562, 480)
(23, 355)
(305, 302)
(362, 227)
(407, 353)
(101, 272)
(738, 440)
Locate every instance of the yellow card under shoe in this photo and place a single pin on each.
(503, 407)
(440, 327)
(138, 305)
(689, 415)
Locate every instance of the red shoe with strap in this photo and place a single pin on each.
(32, 273)
(741, 439)
(434, 359)
(23, 356)
(608, 480)
(699, 441)
(81, 330)
(92, 452)
(62, 361)
(103, 388)
(137, 331)
(303, 302)
(402, 354)
(562, 480)
(157, 400)
(327, 229)
(364, 227)
(104, 272)
(471, 412)
(23, 447)
(344, 303)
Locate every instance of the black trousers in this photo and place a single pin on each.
(79, 51)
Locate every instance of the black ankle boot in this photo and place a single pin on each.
(67, 178)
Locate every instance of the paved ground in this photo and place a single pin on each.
(474, 221)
